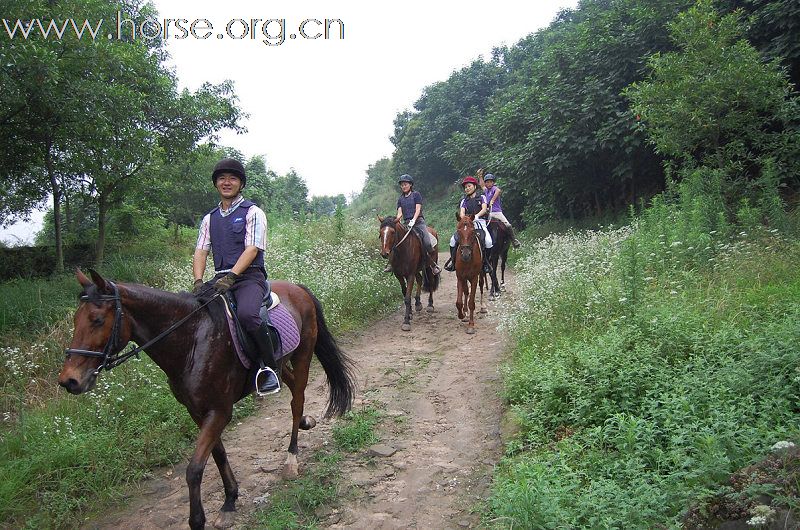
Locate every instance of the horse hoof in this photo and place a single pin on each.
(430, 309)
(307, 422)
(406, 327)
(470, 331)
(465, 319)
(225, 520)
(289, 472)
(483, 311)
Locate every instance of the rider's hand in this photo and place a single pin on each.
(411, 223)
(225, 283)
(197, 287)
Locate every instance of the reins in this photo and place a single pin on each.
(112, 360)
(401, 241)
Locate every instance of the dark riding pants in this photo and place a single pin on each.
(250, 290)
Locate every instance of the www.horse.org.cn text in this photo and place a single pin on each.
(269, 31)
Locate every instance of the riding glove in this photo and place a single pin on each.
(197, 287)
(411, 223)
(225, 283)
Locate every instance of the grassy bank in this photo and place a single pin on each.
(65, 457)
(651, 362)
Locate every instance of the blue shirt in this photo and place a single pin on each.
(408, 204)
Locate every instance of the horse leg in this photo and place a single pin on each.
(503, 272)
(210, 430)
(430, 308)
(473, 284)
(225, 518)
(297, 379)
(417, 300)
(460, 298)
(407, 320)
(481, 283)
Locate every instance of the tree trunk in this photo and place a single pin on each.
(102, 213)
(56, 191)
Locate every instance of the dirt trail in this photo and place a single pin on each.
(440, 436)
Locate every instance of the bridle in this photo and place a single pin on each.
(469, 244)
(110, 355)
(408, 231)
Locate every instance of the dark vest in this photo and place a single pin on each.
(227, 238)
(472, 205)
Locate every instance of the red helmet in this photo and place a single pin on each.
(469, 180)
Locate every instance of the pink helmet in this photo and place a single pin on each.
(469, 180)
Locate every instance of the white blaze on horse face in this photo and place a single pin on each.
(385, 237)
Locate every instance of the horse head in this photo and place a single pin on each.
(387, 234)
(98, 332)
(465, 234)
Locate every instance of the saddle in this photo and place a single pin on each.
(270, 301)
(418, 232)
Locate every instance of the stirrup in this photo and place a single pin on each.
(267, 391)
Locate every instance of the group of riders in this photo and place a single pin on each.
(483, 206)
(235, 233)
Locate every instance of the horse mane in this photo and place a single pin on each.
(389, 221)
(148, 295)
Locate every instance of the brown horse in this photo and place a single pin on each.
(409, 262)
(469, 270)
(197, 354)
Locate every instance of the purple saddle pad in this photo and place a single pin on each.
(283, 321)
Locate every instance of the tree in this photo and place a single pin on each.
(103, 112)
(289, 194)
(443, 109)
(715, 102)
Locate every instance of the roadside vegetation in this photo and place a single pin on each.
(304, 502)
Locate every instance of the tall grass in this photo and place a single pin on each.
(62, 456)
(651, 362)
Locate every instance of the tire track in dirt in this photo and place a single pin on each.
(439, 390)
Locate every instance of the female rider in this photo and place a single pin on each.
(473, 204)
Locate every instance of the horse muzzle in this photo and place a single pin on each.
(75, 384)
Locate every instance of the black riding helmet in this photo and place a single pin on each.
(406, 178)
(229, 165)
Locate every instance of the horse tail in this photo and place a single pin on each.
(430, 281)
(337, 365)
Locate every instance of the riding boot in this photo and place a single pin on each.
(433, 259)
(514, 241)
(269, 383)
(450, 265)
(486, 267)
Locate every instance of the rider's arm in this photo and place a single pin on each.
(496, 196)
(417, 211)
(399, 216)
(245, 259)
(199, 263)
(202, 249)
(484, 208)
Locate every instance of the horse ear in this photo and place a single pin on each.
(100, 282)
(82, 279)
(380, 219)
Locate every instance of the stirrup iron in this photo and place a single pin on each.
(267, 370)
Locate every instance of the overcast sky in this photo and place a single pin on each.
(326, 106)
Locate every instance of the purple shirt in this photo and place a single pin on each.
(497, 206)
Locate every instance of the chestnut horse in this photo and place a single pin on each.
(409, 261)
(498, 254)
(469, 270)
(190, 341)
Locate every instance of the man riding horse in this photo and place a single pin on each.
(236, 234)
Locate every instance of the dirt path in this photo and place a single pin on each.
(440, 436)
